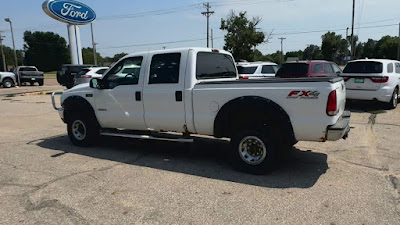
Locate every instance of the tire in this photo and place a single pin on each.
(32, 83)
(69, 86)
(82, 129)
(40, 82)
(8, 83)
(258, 158)
(394, 100)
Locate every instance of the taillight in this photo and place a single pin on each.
(243, 77)
(346, 79)
(331, 108)
(85, 76)
(379, 79)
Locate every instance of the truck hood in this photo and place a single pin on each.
(77, 90)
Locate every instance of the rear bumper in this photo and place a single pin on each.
(340, 129)
(383, 94)
(31, 79)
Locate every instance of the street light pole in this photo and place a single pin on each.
(352, 31)
(12, 36)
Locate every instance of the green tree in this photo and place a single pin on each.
(115, 58)
(386, 48)
(368, 50)
(9, 56)
(296, 54)
(242, 35)
(45, 50)
(87, 54)
(312, 52)
(334, 47)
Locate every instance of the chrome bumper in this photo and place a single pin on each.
(339, 130)
(53, 101)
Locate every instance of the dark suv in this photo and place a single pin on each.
(315, 68)
(67, 74)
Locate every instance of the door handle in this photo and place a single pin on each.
(138, 96)
(178, 96)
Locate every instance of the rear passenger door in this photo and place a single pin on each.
(163, 92)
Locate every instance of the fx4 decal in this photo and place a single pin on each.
(303, 95)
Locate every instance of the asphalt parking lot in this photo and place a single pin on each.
(46, 180)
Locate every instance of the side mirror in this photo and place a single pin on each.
(95, 83)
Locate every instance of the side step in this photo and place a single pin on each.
(138, 136)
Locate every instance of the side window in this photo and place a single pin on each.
(398, 68)
(390, 68)
(268, 69)
(101, 71)
(126, 72)
(336, 69)
(328, 68)
(164, 69)
(318, 68)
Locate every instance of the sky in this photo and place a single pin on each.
(131, 26)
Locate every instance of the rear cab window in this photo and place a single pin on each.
(364, 67)
(293, 70)
(27, 69)
(212, 65)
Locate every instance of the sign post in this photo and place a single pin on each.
(74, 14)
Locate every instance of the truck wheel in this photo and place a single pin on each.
(32, 83)
(40, 82)
(395, 99)
(82, 130)
(253, 152)
(7, 83)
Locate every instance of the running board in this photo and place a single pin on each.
(136, 136)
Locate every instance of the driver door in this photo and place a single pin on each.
(119, 103)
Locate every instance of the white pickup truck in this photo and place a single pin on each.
(197, 91)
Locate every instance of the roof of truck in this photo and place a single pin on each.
(171, 50)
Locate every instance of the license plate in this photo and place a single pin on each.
(33, 78)
(359, 80)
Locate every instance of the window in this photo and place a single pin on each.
(336, 68)
(164, 69)
(318, 68)
(247, 70)
(116, 75)
(328, 68)
(397, 67)
(82, 72)
(27, 69)
(269, 69)
(212, 65)
(101, 71)
(390, 68)
(364, 67)
(293, 70)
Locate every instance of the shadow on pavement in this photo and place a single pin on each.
(365, 106)
(204, 158)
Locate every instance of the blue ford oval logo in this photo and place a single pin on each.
(68, 11)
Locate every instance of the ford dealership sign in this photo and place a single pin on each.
(68, 11)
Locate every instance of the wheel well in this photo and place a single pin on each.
(256, 111)
(77, 104)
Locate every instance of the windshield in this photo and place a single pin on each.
(364, 67)
(293, 70)
(246, 70)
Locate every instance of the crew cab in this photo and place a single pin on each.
(29, 74)
(198, 91)
(373, 79)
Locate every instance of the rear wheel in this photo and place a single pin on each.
(7, 83)
(395, 99)
(40, 82)
(253, 151)
(32, 83)
(82, 129)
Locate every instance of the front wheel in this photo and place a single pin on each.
(82, 130)
(7, 83)
(253, 152)
(394, 100)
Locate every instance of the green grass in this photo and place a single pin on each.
(10, 95)
(50, 75)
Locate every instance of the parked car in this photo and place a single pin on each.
(85, 75)
(197, 91)
(373, 79)
(257, 70)
(67, 74)
(29, 74)
(314, 68)
(7, 79)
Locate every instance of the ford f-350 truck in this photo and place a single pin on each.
(197, 91)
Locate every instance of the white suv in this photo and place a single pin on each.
(373, 79)
(257, 70)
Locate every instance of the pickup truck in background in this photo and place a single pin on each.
(198, 91)
(66, 76)
(29, 74)
(7, 79)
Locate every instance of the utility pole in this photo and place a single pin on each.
(282, 38)
(212, 39)
(12, 35)
(207, 14)
(2, 53)
(398, 48)
(94, 45)
(352, 30)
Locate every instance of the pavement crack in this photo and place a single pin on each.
(372, 119)
(366, 166)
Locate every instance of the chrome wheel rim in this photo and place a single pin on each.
(252, 150)
(79, 130)
(7, 84)
(395, 99)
